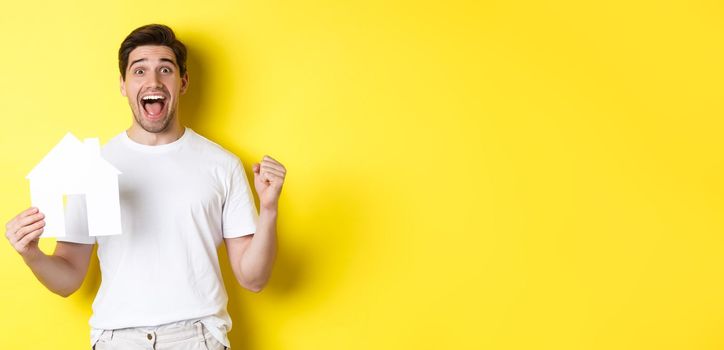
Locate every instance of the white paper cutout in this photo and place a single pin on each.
(73, 167)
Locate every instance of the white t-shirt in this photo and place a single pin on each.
(178, 202)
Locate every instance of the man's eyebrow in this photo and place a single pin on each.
(169, 60)
(136, 61)
(145, 59)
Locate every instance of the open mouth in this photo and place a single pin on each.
(153, 105)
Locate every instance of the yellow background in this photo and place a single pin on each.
(461, 174)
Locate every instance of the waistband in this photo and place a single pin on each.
(161, 334)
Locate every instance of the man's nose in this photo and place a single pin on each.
(154, 79)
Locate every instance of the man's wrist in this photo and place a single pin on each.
(268, 212)
(32, 255)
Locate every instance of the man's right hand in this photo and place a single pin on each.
(24, 230)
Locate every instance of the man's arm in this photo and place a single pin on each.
(64, 271)
(252, 256)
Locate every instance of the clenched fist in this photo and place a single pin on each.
(268, 180)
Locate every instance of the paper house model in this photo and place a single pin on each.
(73, 167)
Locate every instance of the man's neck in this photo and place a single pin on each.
(138, 134)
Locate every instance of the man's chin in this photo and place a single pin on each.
(154, 126)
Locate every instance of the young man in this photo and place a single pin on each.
(181, 195)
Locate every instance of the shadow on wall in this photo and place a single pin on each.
(330, 214)
(298, 268)
(206, 56)
(191, 103)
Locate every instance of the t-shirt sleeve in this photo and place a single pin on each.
(76, 221)
(239, 216)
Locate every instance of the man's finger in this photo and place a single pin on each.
(274, 178)
(271, 160)
(269, 176)
(10, 235)
(24, 213)
(30, 219)
(10, 228)
(267, 167)
(274, 172)
(26, 229)
(30, 236)
(278, 169)
(29, 211)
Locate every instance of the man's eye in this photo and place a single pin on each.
(165, 70)
(138, 71)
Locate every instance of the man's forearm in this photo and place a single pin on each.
(54, 272)
(258, 259)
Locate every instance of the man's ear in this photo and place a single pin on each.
(123, 86)
(184, 83)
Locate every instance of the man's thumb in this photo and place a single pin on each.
(256, 168)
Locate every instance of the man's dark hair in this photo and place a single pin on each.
(152, 34)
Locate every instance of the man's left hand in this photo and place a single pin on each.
(268, 180)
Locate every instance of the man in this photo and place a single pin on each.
(181, 195)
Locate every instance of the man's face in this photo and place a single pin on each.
(153, 86)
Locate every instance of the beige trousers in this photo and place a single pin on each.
(191, 337)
